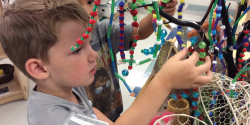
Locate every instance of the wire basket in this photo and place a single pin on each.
(8, 73)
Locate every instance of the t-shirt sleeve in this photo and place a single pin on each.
(115, 30)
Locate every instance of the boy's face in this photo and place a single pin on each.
(67, 68)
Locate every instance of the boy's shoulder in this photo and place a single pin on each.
(45, 109)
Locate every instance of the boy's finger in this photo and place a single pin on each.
(169, 10)
(172, 4)
(205, 67)
(180, 55)
(194, 57)
(204, 79)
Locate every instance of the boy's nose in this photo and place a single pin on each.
(93, 56)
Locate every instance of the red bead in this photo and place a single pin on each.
(202, 50)
(121, 53)
(121, 21)
(246, 31)
(240, 60)
(130, 67)
(131, 52)
(123, 57)
(191, 49)
(85, 36)
(242, 75)
(135, 24)
(134, 1)
(194, 107)
(241, 80)
(121, 14)
(79, 41)
(239, 66)
(93, 14)
(121, 41)
(134, 44)
(121, 8)
(245, 37)
(195, 99)
(89, 29)
(222, 93)
(238, 69)
(242, 55)
(244, 50)
(186, 91)
(133, 12)
(195, 89)
(246, 44)
(146, 7)
(153, 11)
(91, 21)
(201, 117)
(137, 37)
(131, 59)
(202, 59)
(121, 28)
(120, 47)
(179, 96)
(121, 35)
(97, 3)
(227, 90)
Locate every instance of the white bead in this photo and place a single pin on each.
(232, 86)
(137, 62)
(159, 22)
(224, 38)
(215, 62)
(152, 58)
(231, 48)
(223, 27)
(216, 48)
(158, 42)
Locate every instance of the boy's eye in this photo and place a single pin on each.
(77, 51)
(90, 2)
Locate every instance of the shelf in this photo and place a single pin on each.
(14, 93)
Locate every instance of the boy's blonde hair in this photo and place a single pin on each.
(27, 27)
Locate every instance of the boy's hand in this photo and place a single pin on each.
(170, 7)
(182, 74)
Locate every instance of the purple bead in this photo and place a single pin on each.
(180, 7)
(179, 17)
(122, 25)
(121, 37)
(121, 50)
(123, 55)
(121, 31)
(121, 18)
(121, 44)
(179, 27)
(179, 10)
(218, 11)
(121, 4)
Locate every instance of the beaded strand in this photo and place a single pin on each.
(121, 32)
(179, 31)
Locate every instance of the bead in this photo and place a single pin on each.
(194, 40)
(186, 91)
(131, 52)
(132, 48)
(179, 13)
(210, 114)
(191, 49)
(194, 107)
(134, 1)
(159, 22)
(214, 62)
(134, 44)
(200, 62)
(244, 50)
(201, 118)
(93, 14)
(242, 55)
(194, 103)
(213, 32)
(179, 96)
(239, 66)
(179, 33)
(202, 45)
(240, 60)
(183, 95)
(121, 18)
(246, 31)
(174, 96)
(220, 55)
(72, 48)
(202, 50)
(213, 102)
(182, 1)
(218, 15)
(85, 36)
(121, 4)
(246, 44)
(79, 41)
(133, 6)
(219, 7)
(133, 12)
(130, 67)
(202, 59)
(125, 72)
(135, 18)
(152, 58)
(146, 52)
(154, 16)
(195, 89)
(77, 45)
(223, 27)
(137, 37)
(195, 99)
(195, 94)
(135, 24)
(214, 41)
(92, 21)
(164, 33)
(97, 3)
(197, 113)
(215, 124)
(214, 92)
(202, 54)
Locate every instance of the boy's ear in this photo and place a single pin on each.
(35, 68)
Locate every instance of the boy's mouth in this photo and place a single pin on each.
(93, 71)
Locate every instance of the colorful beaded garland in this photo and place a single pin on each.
(179, 30)
(121, 32)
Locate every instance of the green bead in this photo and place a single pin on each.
(92, 17)
(165, 1)
(135, 40)
(90, 25)
(149, 9)
(190, 54)
(135, 18)
(77, 45)
(94, 9)
(82, 38)
(161, 7)
(142, 51)
(132, 48)
(140, 1)
(192, 44)
(95, 6)
(133, 6)
(202, 45)
(199, 63)
(87, 32)
(130, 63)
(72, 48)
(202, 54)
(240, 57)
(143, 4)
(131, 56)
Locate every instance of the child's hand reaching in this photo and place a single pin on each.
(182, 74)
(170, 7)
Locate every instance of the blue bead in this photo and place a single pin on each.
(218, 15)
(180, 7)
(214, 42)
(122, 25)
(121, 50)
(229, 19)
(179, 17)
(194, 103)
(164, 33)
(122, 31)
(220, 56)
(121, 18)
(121, 4)
(214, 93)
(145, 51)
(121, 11)
(219, 8)
(197, 113)
(213, 102)
(123, 55)
(213, 32)
(245, 39)
(215, 124)
(233, 119)
(121, 44)
(194, 40)
(174, 96)
(125, 72)
(182, 4)
(179, 10)
(195, 95)
(179, 27)
(121, 37)
(210, 114)
(184, 95)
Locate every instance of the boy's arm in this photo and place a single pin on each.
(101, 116)
(146, 27)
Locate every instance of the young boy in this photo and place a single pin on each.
(37, 36)
(109, 99)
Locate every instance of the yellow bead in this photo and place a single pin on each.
(179, 19)
(179, 33)
(179, 13)
(182, 1)
(154, 16)
(166, 24)
(156, 34)
(214, 15)
(183, 45)
(1, 72)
